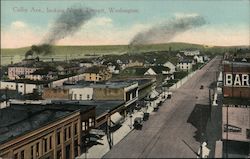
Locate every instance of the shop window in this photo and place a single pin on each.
(76, 148)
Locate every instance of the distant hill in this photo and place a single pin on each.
(71, 52)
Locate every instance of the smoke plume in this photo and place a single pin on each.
(68, 23)
(166, 31)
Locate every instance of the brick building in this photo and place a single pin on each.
(44, 131)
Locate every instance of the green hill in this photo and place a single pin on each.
(71, 52)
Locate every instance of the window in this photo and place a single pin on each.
(45, 145)
(75, 96)
(75, 129)
(76, 148)
(248, 133)
(91, 122)
(69, 131)
(50, 142)
(58, 138)
(88, 96)
(80, 97)
(65, 134)
(59, 154)
(37, 149)
(16, 156)
(83, 126)
(22, 154)
(231, 128)
(31, 152)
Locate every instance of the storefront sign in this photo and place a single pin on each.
(237, 80)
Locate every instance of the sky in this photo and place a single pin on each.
(24, 23)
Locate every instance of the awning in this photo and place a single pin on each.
(154, 94)
(97, 132)
(116, 119)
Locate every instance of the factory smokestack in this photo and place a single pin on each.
(166, 31)
(68, 23)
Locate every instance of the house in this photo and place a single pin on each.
(199, 59)
(132, 63)
(156, 70)
(42, 75)
(23, 68)
(191, 52)
(113, 67)
(45, 130)
(97, 74)
(185, 65)
(150, 71)
(21, 88)
(171, 66)
(19, 72)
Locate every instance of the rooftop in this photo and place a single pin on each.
(20, 119)
(95, 69)
(114, 85)
(101, 106)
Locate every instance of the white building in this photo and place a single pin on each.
(113, 69)
(22, 88)
(171, 66)
(85, 93)
(185, 65)
(191, 53)
(150, 71)
(17, 72)
(199, 59)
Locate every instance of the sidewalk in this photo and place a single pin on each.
(98, 151)
(182, 81)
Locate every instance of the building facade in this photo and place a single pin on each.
(19, 72)
(97, 74)
(22, 88)
(185, 65)
(59, 136)
(236, 109)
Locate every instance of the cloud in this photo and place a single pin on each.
(18, 25)
(102, 21)
(185, 15)
(104, 31)
(20, 34)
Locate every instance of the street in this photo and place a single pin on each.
(175, 131)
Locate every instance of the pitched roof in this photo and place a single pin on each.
(95, 69)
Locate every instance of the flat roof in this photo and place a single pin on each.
(101, 106)
(19, 119)
(116, 84)
(140, 81)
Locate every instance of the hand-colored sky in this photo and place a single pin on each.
(228, 21)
